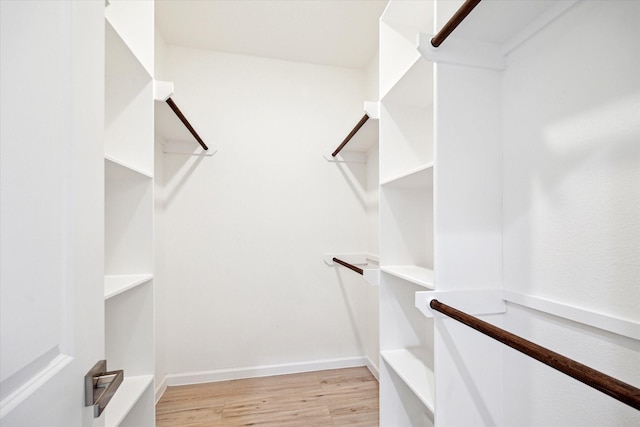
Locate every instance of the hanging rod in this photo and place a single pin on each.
(613, 387)
(362, 121)
(455, 20)
(184, 121)
(349, 266)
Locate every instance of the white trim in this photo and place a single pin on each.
(217, 375)
(160, 389)
(616, 325)
(54, 367)
(373, 368)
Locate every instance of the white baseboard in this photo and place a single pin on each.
(373, 368)
(161, 388)
(262, 371)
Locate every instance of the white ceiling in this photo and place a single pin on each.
(330, 32)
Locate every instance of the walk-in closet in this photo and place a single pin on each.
(396, 213)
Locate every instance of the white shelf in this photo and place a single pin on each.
(126, 398)
(491, 31)
(508, 23)
(421, 177)
(418, 377)
(400, 25)
(133, 22)
(117, 284)
(414, 87)
(412, 273)
(125, 165)
(128, 94)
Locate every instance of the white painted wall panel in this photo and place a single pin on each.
(246, 229)
(572, 161)
(571, 114)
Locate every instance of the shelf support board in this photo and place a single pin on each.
(476, 302)
(470, 53)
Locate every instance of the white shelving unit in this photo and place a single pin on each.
(129, 159)
(485, 128)
(406, 216)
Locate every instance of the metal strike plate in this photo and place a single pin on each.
(100, 385)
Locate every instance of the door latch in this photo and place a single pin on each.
(100, 385)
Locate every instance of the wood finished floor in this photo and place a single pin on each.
(339, 397)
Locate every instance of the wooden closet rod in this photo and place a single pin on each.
(362, 121)
(613, 387)
(455, 20)
(349, 266)
(185, 122)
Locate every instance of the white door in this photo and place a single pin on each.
(51, 209)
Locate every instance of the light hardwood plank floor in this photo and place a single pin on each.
(338, 397)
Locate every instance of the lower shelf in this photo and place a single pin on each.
(418, 377)
(125, 398)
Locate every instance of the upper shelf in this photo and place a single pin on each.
(400, 25)
(173, 126)
(133, 21)
(412, 273)
(362, 138)
(128, 121)
(492, 30)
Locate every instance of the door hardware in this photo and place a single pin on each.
(100, 385)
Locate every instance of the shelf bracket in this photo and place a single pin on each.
(463, 52)
(476, 302)
(162, 90)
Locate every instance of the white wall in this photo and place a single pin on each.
(246, 229)
(571, 109)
